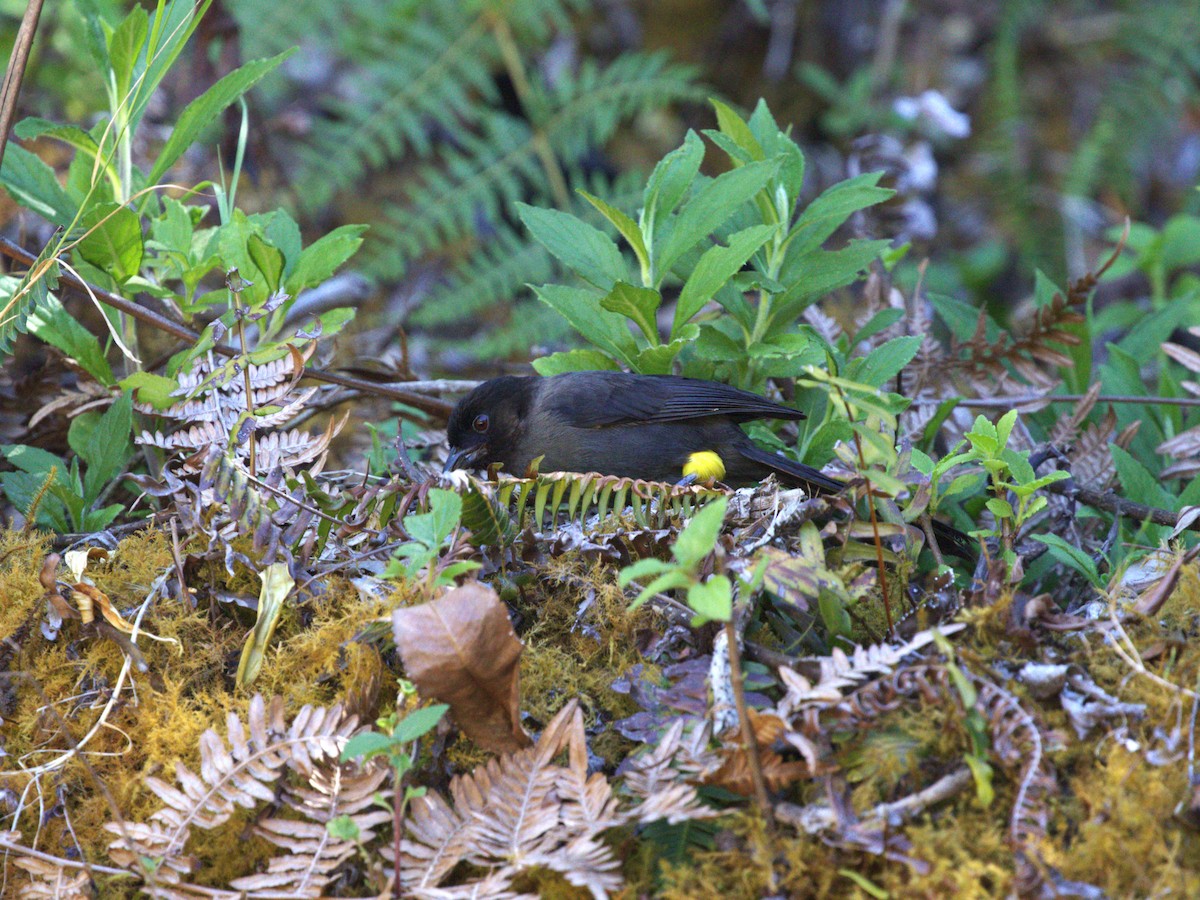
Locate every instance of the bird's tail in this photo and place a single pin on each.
(950, 539)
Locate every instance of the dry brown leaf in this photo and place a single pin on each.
(461, 649)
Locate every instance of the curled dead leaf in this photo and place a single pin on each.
(461, 650)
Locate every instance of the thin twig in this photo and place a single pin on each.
(161, 322)
(11, 88)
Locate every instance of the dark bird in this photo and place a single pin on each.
(653, 427)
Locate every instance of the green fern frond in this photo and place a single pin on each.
(20, 298)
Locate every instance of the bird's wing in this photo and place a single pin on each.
(620, 399)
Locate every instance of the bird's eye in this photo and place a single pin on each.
(480, 424)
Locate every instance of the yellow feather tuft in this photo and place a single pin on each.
(705, 465)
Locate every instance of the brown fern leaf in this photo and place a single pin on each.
(313, 853)
(52, 881)
(240, 773)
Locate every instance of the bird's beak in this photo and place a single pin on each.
(463, 458)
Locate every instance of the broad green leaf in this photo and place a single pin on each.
(113, 242)
(583, 360)
(35, 461)
(103, 442)
(884, 363)
(822, 272)
(708, 209)
(34, 185)
(202, 111)
(626, 226)
(699, 537)
(715, 268)
(581, 308)
(282, 233)
(585, 250)
(717, 346)
(419, 722)
(638, 304)
(323, 256)
(1137, 481)
(153, 389)
(267, 259)
(712, 600)
(53, 324)
(658, 360)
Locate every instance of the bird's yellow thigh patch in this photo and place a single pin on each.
(705, 465)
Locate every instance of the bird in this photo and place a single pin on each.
(651, 427)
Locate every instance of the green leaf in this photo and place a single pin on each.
(699, 538)
(323, 256)
(712, 600)
(419, 722)
(642, 568)
(367, 744)
(267, 259)
(708, 209)
(732, 124)
(581, 308)
(102, 441)
(670, 180)
(35, 461)
(717, 346)
(114, 242)
(152, 389)
(884, 363)
(828, 212)
(125, 45)
(34, 185)
(1137, 481)
(202, 111)
(638, 304)
(628, 228)
(585, 250)
(50, 322)
(583, 360)
(31, 128)
(822, 272)
(716, 266)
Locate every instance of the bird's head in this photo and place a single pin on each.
(487, 423)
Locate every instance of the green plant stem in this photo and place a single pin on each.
(520, 79)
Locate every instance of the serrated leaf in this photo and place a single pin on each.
(114, 241)
(585, 250)
(638, 304)
(51, 323)
(581, 308)
(583, 360)
(34, 185)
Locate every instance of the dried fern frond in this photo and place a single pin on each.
(52, 882)
(239, 771)
(313, 853)
(521, 811)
